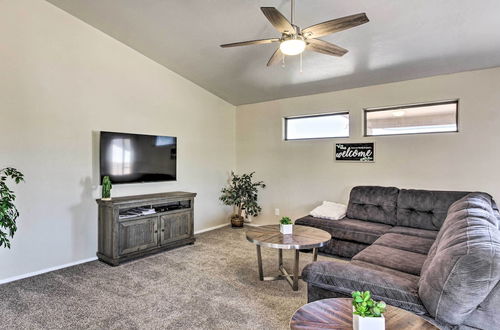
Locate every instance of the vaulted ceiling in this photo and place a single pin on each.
(404, 39)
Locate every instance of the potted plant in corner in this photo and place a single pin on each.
(368, 314)
(286, 226)
(242, 193)
(8, 211)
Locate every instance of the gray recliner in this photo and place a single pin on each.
(436, 260)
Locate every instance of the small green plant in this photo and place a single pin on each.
(286, 221)
(8, 211)
(365, 306)
(106, 187)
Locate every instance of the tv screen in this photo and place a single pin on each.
(129, 158)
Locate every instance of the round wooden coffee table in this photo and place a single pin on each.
(303, 237)
(336, 313)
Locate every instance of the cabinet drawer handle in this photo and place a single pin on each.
(156, 231)
(163, 230)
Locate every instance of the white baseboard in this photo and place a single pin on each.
(46, 270)
(51, 269)
(211, 228)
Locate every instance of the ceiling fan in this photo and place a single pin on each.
(294, 40)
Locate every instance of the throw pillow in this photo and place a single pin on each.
(329, 210)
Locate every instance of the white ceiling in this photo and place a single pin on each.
(404, 39)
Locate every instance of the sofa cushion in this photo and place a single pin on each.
(347, 229)
(339, 247)
(414, 232)
(463, 264)
(373, 203)
(424, 209)
(404, 261)
(486, 315)
(405, 242)
(394, 272)
(345, 277)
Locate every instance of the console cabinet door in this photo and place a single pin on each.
(175, 226)
(137, 235)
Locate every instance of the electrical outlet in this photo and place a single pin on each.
(276, 211)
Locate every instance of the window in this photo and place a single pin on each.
(412, 119)
(317, 126)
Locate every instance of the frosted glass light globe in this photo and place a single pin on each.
(292, 46)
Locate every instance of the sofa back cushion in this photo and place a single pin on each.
(425, 209)
(463, 264)
(373, 203)
(486, 315)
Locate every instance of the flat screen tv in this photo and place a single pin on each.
(132, 158)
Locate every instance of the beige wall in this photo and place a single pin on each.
(300, 174)
(61, 81)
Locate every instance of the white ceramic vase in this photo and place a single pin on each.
(368, 323)
(286, 229)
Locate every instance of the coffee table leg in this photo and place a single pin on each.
(280, 258)
(315, 254)
(295, 286)
(259, 262)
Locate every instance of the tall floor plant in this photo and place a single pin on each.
(8, 211)
(242, 194)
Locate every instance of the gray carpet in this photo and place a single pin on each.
(210, 285)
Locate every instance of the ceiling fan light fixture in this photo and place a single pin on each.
(295, 40)
(292, 46)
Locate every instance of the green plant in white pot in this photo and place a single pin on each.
(8, 211)
(368, 314)
(286, 226)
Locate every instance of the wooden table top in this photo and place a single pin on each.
(336, 313)
(303, 237)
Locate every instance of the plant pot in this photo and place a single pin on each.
(106, 198)
(368, 323)
(237, 221)
(286, 229)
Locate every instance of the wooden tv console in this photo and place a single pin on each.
(122, 237)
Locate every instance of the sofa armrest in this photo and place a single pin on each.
(344, 278)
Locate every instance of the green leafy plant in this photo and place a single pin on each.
(106, 187)
(8, 211)
(286, 221)
(365, 306)
(242, 193)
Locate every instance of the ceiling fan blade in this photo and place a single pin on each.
(335, 25)
(275, 58)
(324, 47)
(251, 42)
(277, 19)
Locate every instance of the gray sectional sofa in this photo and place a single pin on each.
(435, 253)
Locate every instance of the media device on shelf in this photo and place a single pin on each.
(131, 158)
(153, 209)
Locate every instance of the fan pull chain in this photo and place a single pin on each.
(300, 62)
(283, 61)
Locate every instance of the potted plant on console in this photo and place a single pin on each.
(368, 314)
(242, 194)
(286, 226)
(106, 188)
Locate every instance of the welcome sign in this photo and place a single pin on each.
(355, 152)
